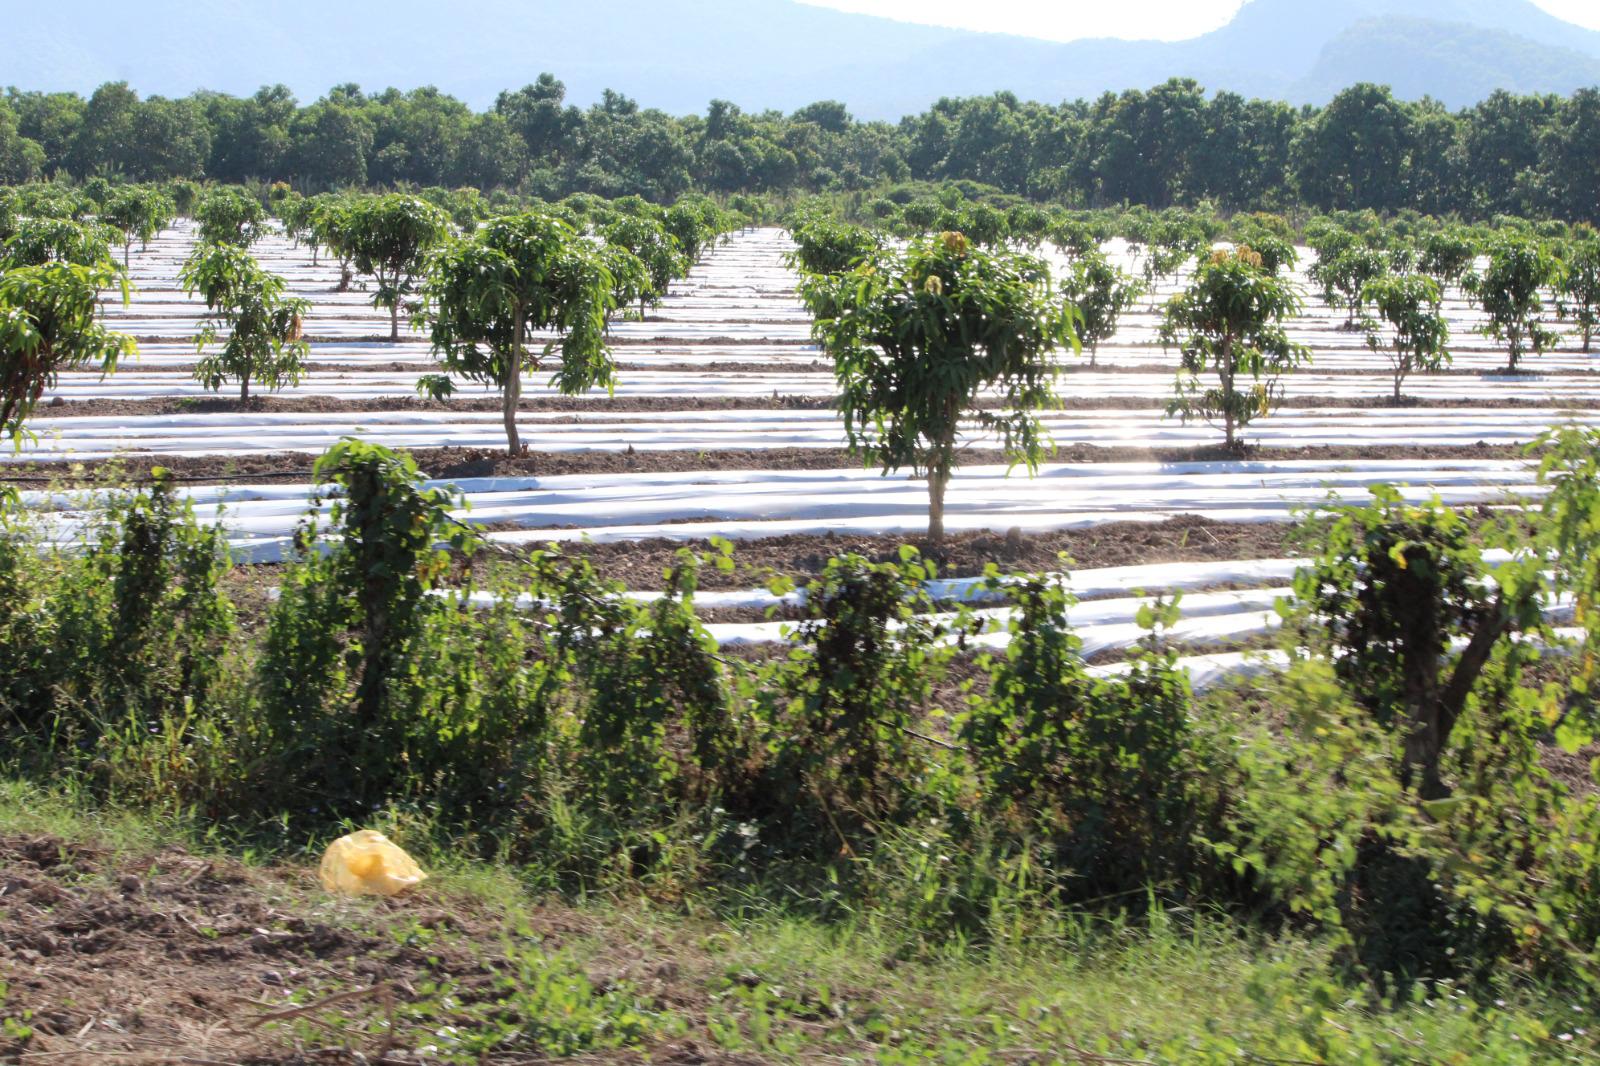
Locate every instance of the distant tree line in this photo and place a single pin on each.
(1170, 146)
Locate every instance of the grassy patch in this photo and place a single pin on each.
(475, 967)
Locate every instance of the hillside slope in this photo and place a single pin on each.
(679, 54)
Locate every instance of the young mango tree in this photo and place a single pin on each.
(1270, 235)
(1446, 254)
(185, 196)
(1029, 225)
(40, 241)
(1277, 253)
(1511, 293)
(389, 237)
(50, 322)
(1100, 292)
(1229, 322)
(646, 239)
(294, 213)
(695, 224)
(918, 336)
(230, 216)
(265, 342)
(1072, 237)
(1409, 326)
(986, 226)
(488, 295)
(630, 278)
(1138, 232)
(1170, 244)
(827, 245)
(139, 212)
(1344, 277)
(1400, 254)
(1579, 295)
(1328, 240)
(330, 229)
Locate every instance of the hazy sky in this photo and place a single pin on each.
(1064, 20)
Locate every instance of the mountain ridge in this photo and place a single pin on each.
(678, 55)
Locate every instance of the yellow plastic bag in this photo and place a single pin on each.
(368, 864)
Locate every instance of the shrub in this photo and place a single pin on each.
(1098, 770)
(1393, 585)
(845, 705)
(115, 640)
(337, 683)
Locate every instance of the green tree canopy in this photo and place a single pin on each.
(1344, 276)
(490, 294)
(1580, 284)
(50, 322)
(695, 223)
(264, 340)
(328, 228)
(828, 245)
(1511, 291)
(38, 241)
(389, 237)
(139, 212)
(1229, 322)
(230, 216)
(1446, 254)
(1409, 327)
(1100, 292)
(648, 240)
(918, 336)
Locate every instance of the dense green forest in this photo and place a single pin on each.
(1171, 145)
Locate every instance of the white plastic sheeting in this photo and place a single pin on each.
(744, 504)
(246, 433)
(1208, 671)
(785, 380)
(737, 305)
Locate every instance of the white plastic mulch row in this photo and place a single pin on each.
(747, 504)
(135, 382)
(1208, 619)
(246, 433)
(741, 292)
(1102, 625)
(362, 356)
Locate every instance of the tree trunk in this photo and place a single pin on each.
(127, 245)
(513, 396)
(1094, 354)
(394, 321)
(1434, 715)
(938, 481)
(244, 389)
(512, 393)
(1225, 373)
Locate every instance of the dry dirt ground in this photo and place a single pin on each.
(639, 564)
(173, 958)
